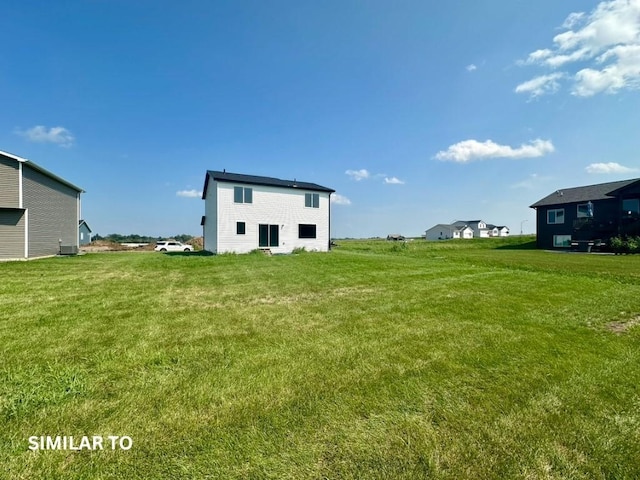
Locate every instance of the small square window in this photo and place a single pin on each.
(306, 231)
(562, 241)
(585, 210)
(555, 216)
(631, 206)
(241, 228)
(312, 200)
(242, 195)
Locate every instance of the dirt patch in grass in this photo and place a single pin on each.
(622, 326)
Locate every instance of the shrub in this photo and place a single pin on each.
(629, 244)
(633, 244)
(616, 244)
(399, 246)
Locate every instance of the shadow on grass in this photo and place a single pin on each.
(199, 253)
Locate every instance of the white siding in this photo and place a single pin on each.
(441, 232)
(210, 214)
(284, 207)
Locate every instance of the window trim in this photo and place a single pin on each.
(272, 235)
(631, 211)
(312, 200)
(585, 213)
(245, 192)
(307, 226)
(555, 210)
(565, 243)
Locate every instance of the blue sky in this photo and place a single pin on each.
(415, 112)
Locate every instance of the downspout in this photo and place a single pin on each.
(329, 209)
(79, 216)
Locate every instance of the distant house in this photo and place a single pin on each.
(39, 211)
(479, 227)
(466, 229)
(498, 230)
(444, 231)
(84, 233)
(396, 237)
(592, 212)
(249, 212)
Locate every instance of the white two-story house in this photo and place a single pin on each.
(248, 212)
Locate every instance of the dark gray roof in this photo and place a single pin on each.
(225, 176)
(466, 222)
(601, 191)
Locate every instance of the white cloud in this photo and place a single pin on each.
(393, 181)
(471, 67)
(623, 72)
(607, 39)
(189, 193)
(573, 19)
(611, 167)
(358, 175)
(537, 56)
(41, 134)
(540, 85)
(338, 199)
(469, 150)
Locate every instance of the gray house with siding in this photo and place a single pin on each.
(84, 233)
(39, 211)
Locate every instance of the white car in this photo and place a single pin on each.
(173, 246)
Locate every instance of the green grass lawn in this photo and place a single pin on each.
(453, 360)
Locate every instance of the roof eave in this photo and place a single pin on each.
(42, 170)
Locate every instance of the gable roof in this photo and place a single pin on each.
(467, 223)
(82, 222)
(225, 176)
(38, 168)
(452, 226)
(601, 191)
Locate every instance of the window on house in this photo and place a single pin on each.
(241, 228)
(631, 206)
(585, 210)
(312, 200)
(268, 235)
(243, 195)
(555, 216)
(562, 241)
(306, 231)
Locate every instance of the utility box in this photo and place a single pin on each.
(68, 250)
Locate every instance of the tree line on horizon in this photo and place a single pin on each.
(135, 238)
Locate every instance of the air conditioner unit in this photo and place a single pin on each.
(68, 250)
